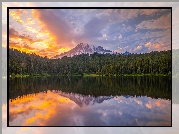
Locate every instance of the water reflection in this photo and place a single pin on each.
(57, 108)
(155, 87)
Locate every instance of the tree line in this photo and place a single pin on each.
(100, 64)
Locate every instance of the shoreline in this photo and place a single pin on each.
(88, 75)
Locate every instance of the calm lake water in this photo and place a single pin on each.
(90, 101)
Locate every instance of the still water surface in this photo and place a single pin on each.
(90, 101)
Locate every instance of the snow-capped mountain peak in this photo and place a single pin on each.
(83, 48)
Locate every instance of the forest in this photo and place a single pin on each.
(153, 63)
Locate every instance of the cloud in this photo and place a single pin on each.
(104, 35)
(163, 22)
(154, 36)
(93, 28)
(120, 36)
(13, 33)
(106, 12)
(122, 49)
(23, 42)
(126, 14)
(17, 14)
(153, 12)
(149, 11)
(137, 48)
(30, 21)
(92, 31)
(155, 47)
(58, 28)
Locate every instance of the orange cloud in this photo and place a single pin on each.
(30, 21)
(156, 47)
(15, 36)
(16, 15)
(58, 29)
(31, 29)
(25, 43)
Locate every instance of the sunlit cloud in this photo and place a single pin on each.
(154, 47)
(31, 29)
(57, 29)
(16, 15)
(30, 21)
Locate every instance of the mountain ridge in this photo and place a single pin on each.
(83, 48)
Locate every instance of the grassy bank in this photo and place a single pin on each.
(95, 75)
(146, 75)
(85, 75)
(28, 75)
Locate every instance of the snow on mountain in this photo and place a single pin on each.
(82, 100)
(83, 48)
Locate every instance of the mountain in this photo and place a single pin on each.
(127, 53)
(83, 48)
(82, 100)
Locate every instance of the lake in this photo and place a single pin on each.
(90, 101)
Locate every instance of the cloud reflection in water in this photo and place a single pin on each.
(57, 108)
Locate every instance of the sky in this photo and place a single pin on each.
(49, 32)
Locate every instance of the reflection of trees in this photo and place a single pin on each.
(156, 87)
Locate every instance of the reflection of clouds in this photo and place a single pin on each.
(148, 106)
(137, 101)
(39, 106)
(4, 117)
(137, 111)
(120, 113)
(53, 109)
